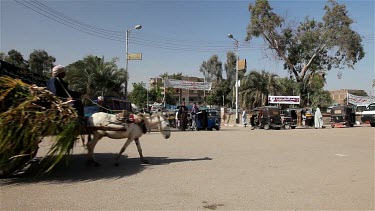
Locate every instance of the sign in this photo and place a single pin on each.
(360, 100)
(284, 99)
(134, 56)
(242, 64)
(187, 84)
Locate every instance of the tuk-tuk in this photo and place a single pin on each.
(290, 118)
(266, 117)
(171, 117)
(309, 117)
(342, 116)
(208, 119)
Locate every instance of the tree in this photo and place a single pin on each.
(138, 95)
(92, 76)
(40, 62)
(212, 69)
(2, 56)
(312, 47)
(256, 87)
(14, 57)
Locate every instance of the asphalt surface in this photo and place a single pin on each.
(232, 169)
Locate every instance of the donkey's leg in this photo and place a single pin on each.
(140, 151)
(122, 150)
(90, 148)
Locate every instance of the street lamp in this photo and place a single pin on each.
(236, 84)
(126, 53)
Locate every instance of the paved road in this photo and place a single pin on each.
(234, 168)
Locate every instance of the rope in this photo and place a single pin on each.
(110, 110)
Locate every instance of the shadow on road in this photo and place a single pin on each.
(77, 170)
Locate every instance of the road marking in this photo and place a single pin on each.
(341, 155)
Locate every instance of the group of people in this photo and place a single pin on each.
(182, 116)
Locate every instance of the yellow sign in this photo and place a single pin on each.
(134, 56)
(242, 64)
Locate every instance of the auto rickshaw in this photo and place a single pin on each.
(171, 117)
(290, 118)
(309, 117)
(342, 116)
(266, 117)
(208, 119)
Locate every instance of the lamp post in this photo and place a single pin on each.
(236, 84)
(126, 53)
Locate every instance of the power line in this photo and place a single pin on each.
(74, 27)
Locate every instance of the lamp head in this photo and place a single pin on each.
(230, 36)
(137, 27)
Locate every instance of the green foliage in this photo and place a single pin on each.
(216, 96)
(15, 58)
(313, 47)
(40, 62)
(177, 76)
(138, 95)
(27, 114)
(256, 87)
(212, 69)
(92, 76)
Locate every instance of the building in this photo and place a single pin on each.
(339, 96)
(179, 95)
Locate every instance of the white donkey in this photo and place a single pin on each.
(133, 132)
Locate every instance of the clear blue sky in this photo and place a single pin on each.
(177, 36)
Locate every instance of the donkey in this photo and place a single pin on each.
(133, 132)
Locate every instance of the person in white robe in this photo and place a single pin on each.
(318, 118)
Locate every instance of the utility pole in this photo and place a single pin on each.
(237, 52)
(127, 55)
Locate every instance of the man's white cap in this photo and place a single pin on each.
(56, 70)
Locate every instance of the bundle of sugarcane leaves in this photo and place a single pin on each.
(28, 114)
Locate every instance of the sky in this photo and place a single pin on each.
(176, 36)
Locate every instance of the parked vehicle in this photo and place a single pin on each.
(368, 115)
(342, 116)
(266, 117)
(290, 118)
(208, 119)
(309, 117)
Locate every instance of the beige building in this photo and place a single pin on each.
(338, 96)
(189, 96)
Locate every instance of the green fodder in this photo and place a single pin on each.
(27, 114)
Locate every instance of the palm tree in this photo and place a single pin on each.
(92, 76)
(256, 87)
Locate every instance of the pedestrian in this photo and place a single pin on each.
(318, 118)
(59, 88)
(244, 117)
(194, 116)
(182, 113)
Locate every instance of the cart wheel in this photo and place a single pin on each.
(351, 125)
(293, 127)
(217, 128)
(287, 127)
(372, 124)
(266, 126)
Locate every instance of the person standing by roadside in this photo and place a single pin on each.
(318, 118)
(194, 115)
(244, 117)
